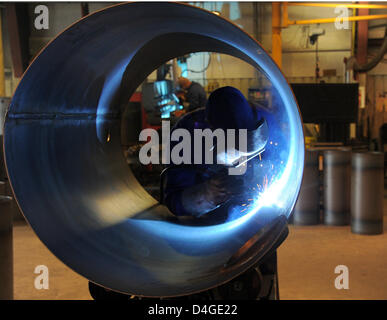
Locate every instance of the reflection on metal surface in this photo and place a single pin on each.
(64, 159)
(252, 246)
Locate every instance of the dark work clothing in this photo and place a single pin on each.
(195, 96)
(180, 177)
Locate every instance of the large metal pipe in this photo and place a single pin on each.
(70, 178)
(337, 187)
(367, 190)
(307, 208)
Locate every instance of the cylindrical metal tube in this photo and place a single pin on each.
(6, 249)
(337, 187)
(307, 209)
(64, 159)
(367, 193)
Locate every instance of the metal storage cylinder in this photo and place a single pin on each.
(337, 187)
(307, 209)
(367, 193)
(6, 249)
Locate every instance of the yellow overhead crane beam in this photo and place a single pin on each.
(276, 44)
(330, 20)
(280, 20)
(334, 5)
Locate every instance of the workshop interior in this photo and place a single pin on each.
(110, 189)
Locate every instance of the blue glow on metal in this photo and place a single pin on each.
(74, 186)
(111, 84)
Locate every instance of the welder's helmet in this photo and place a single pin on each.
(227, 108)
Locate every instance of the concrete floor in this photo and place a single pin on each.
(30, 252)
(307, 260)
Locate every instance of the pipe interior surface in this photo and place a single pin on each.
(73, 185)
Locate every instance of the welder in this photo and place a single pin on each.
(210, 195)
(192, 94)
(200, 189)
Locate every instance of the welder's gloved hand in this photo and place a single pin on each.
(207, 196)
(232, 185)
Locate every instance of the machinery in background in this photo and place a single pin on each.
(260, 96)
(182, 63)
(159, 101)
(312, 133)
(313, 39)
(159, 98)
(333, 106)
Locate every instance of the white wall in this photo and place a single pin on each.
(224, 66)
(298, 56)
